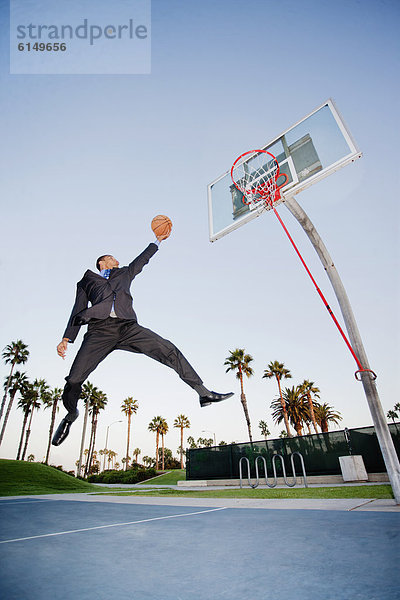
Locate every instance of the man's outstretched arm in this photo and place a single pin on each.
(136, 266)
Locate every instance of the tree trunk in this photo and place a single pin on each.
(285, 417)
(6, 390)
(90, 448)
(26, 415)
(246, 414)
(157, 442)
(312, 415)
(162, 453)
(79, 468)
(28, 433)
(127, 442)
(93, 441)
(12, 396)
(244, 404)
(181, 447)
(53, 418)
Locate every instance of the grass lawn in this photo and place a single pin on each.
(170, 478)
(359, 491)
(20, 478)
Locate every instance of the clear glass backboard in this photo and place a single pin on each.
(312, 149)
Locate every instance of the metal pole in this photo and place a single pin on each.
(378, 416)
(106, 447)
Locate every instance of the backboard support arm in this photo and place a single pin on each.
(378, 416)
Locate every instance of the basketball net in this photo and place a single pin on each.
(256, 178)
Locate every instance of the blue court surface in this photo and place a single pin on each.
(69, 549)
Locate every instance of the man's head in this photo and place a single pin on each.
(106, 262)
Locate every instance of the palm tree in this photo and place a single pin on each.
(205, 442)
(392, 414)
(15, 353)
(155, 426)
(101, 453)
(240, 362)
(88, 393)
(136, 453)
(277, 370)
(182, 422)
(129, 407)
(147, 460)
(86, 454)
(17, 382)
(163, 430)
(191, 442)
(34, 392)
(98, 403)
(264, 429)
(309, 388)
(296, 408)
(24, 404)
(125, 461)
(324, 415)
(111, 458)
(51, 399)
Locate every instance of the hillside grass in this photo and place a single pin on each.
(169, 478)
(20, 478)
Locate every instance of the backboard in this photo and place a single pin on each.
(310, 150)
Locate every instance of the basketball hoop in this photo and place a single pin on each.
(256, 178)
(255, 174)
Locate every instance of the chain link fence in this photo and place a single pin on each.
(320, 452)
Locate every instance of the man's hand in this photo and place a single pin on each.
(62, 347)
(163, 237)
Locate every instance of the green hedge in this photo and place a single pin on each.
(129, 476)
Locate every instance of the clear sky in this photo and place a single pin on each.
(88, 160)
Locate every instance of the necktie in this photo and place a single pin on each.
(106, 275)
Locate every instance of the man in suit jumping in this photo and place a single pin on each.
(112, 325)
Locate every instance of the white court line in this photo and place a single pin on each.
(34, 537)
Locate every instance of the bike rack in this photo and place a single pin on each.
(248, 472)
(275, 480)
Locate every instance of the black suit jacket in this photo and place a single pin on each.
(101, 293)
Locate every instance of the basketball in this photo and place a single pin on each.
(161, 225)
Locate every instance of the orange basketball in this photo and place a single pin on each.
(161, 225)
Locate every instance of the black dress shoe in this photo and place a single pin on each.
(213, 397)
(63, 428)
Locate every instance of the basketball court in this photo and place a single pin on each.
(101, 547)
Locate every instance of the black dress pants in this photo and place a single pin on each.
(105, 335)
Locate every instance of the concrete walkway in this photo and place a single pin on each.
(339, 504)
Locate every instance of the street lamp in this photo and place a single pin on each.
(207, 431)
(106, 447)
